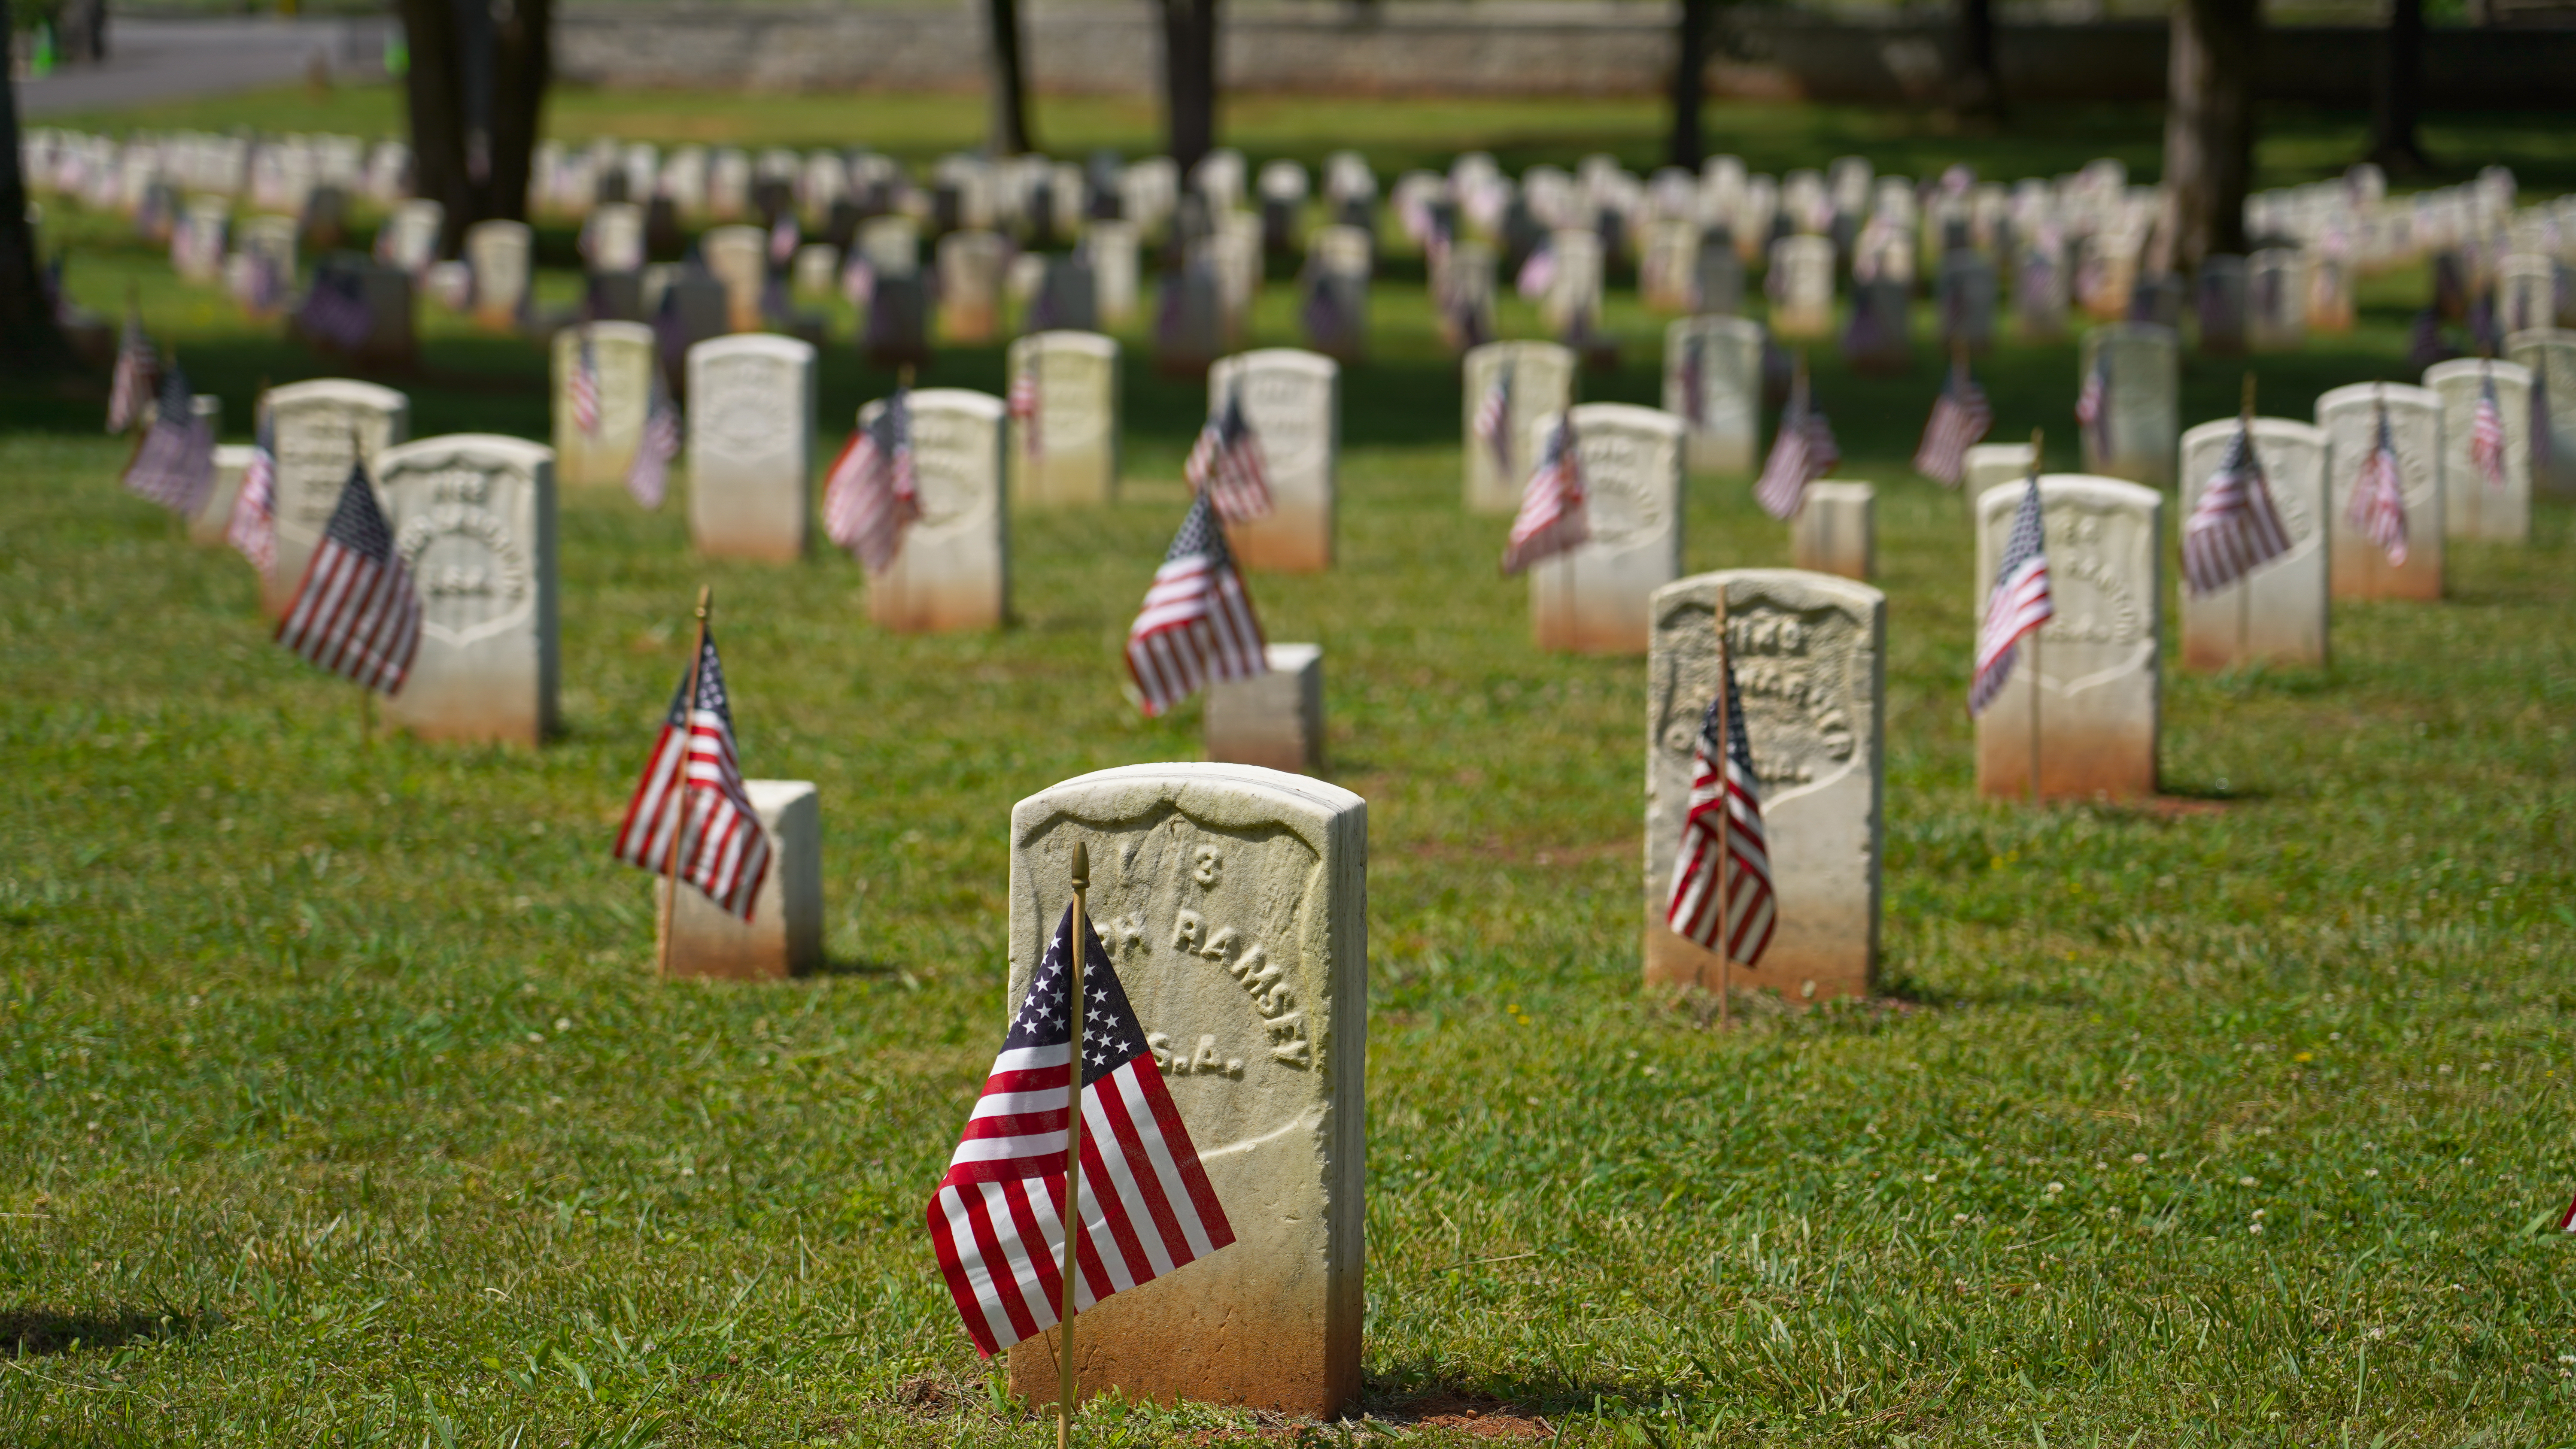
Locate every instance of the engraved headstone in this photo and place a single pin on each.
(473, 516)
(738, 256)
(622, 355)
(1275, 720)
(1232, 901)
(2097, 666)
(1189, 320)
(1801, 287)
(2349, 417)
(971, 266)
(197, 242)
(954, 568)
(613, 238)
(1963, 307)
(1989, 464)
(1717, 275)
(1666, 263)
(1809, 652)
(2332, 307)
(1540, 384)
(751, 446)
(1293, 400)
(321, 427)
(816, 267)
(1067, 452)
(1571, 303)
(1593, 598)
(2040, 288)
(411, 237)
(2140, 424)
(2473, 505)
(1836, 530)
(1111, 247)
(784, 936)
(1713, 383)
(891, 245)
(2276, 614)
(206, 528)
(499, 254)
(2276, 300)
(2527, 292)
(2549, 354)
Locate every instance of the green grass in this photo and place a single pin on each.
(339, 1106)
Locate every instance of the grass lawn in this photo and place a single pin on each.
(338, 1104)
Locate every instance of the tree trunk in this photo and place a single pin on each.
(1010, 86)
(1691, 43)
(477, 92)
(2400, 98)
(1977, 91)
(28, 337)
(2209, 124)
(1189, 79)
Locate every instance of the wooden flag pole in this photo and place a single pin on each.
(680, 781)
(1725, 826)
(2037, 436)
(1071, 1259)
(2245, 584)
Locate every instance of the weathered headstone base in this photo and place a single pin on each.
(212, 522)
(1275, 720)
(2084, 760)
(1296, 539)
(1576, 609)
(1836, 532)
(784, 936)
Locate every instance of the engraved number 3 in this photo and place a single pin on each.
(1209, 864)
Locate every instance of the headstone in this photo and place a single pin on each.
(1111, 246)
(2527, 292)
(2276, 294)
(613, 238)
(1067, 453)
(784, 936)
(2472, 505)
(1232, 901)
(1067, 299)
(1836, 530)
(1541, 385)
(271, 237)
(1810, 654)
(738, 256)
(197, 243)
(2140, 424)
(1274, 720)
(892, 245)
(2276, 614)
(1667, 264)
(2040, 289)
(499, 254)
(1593, 598)
(207, 528)
(816, 268)
(2097, 668)
(751, 446)
(2549, 354)
(1571, 303)
(1964, 302)
(1189, 321)
(2332, 307)
(2221, 305)
(622, 353)
(473, 515)
(411, 242)
(1717, 275)
(971, 264)
(321, 427)
(2349, 417)
(1713, 383)
(1801, 286)
(1293, 400)
(954, 568)
(1989, 464)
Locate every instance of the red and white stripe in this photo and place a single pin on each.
(581, 390)
(1553, 518)
(1803, 452)
(2234, 527)
(871, 496)
(2019, 603)
(355, 616)
(1727, 819)
(1197, 623)
(2486, 436)
(1493, 422)
(2377, 510)
(1960, 417)
(252, 529)
(1023, 406)
(723, 849)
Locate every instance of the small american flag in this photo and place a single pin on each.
(2378, 507)
(1552, 517)
(2486, 431)
(1538, 273)
(1197, 623)
(2567, 1219)
(1321, 312)
(1694, 380)
(722, 849)
(335, 312)
(784, 235)
(582, 388)
(1226, 463)
(1493, 425)
(135, 365)
(176, 463)
(356, 612)
(1023, 405)
(1725, 816)
(997, 1220)
(253, 527)
(649, 475)
(1803, 452)
(872, 494)
(2018, 605)
(1960, 417)
(2093, 403)
(2234, 528)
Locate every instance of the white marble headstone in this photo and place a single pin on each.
(473, 515)
(751, 446)
(499, 252)
(1541, 385)
(953, 570)
(738, 257)
(322, 427)
(1723, 412)
(624, 355)
(1293, 400)
(1069, 452)
(1801, 287)
(2142, 422)
(2277, 614)
(971, 272)
(2472, 506)
(2349, 417)
(1593, 598)
(2549, 353)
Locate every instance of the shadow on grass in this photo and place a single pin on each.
(850, 966)
(1497, 1406)
(36, 1332)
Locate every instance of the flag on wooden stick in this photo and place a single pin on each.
(2093, 403)
(997, 1221)
(131, 386)
(1197, 623)
(1960, 417)
(2234, 528)
(176, 463)
(253, 526)
(1227, 465)
(872, 494)
(1552, 517)
(1725, 817)
(2377, 510)
(648, 476)
(1023, 405)
(1493, 423)
(2486, 430)
(356, 612)
(582, 388)
(1802, 452)
(722, 849)
(2019, 602)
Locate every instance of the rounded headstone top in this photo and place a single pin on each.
(2364, 394)
(1794, 588)
(2504, 372)
(1220, 794)
(1068, 339)
(338, 390)
(1272, 358)
(948, 399)
(1627, 415)
(431, 452)
(635, 332)
(2265, 429)
(755, 344)
(2086, 487)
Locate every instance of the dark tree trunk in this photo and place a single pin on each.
(1189, 79)
(1691, 43)
(28, 336)
(2209, 124)
(477, 98)
(2400, 98)
(1010, 86)
(1978, 89)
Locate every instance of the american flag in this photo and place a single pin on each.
(1694, 379)
(2018, 605)
(2093, 403)
(649, 475)
(2486, 432)
(1724, 817)
(1321, 312)
(1226, 463)
(176, 463)
(1023, 405)
(335, 311)
(1538, 273)
(1803, 452)
(356, 612)
(1960, 417)
(872, 495)
(135, 364)
(2567, 1220)
(2234, 528)
(1197, 623)
(1493, 425)
(784, 234)
(997, 1220)
(2377, 510)
(722, 849)
(1552, 517)
(253, 527)
(582, 388)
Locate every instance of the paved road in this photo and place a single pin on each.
(160, 60)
